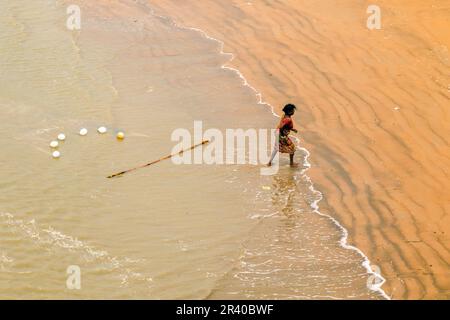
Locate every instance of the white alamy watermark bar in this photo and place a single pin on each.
(234, 146)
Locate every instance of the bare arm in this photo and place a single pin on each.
(293, 126)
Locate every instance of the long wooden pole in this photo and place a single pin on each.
(159, 160)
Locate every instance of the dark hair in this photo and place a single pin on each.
(289, 108)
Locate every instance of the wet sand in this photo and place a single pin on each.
(373, 111)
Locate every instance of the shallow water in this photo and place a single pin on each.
(166, 231)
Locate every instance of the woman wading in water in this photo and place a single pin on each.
(285, 144)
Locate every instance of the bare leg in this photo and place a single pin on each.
(291, 158)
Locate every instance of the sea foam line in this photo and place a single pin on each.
(52, 239)
(315, 205)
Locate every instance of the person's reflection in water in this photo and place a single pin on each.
(287, 200)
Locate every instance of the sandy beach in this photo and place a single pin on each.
(373, 111)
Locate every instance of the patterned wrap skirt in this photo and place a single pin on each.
(286, 145)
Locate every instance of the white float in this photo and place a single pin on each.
(83, 132)
(61, 137)
(102, 130)
(54, 144)
(56, 154)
